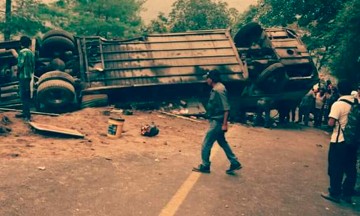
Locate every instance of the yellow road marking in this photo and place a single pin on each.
(173, 205)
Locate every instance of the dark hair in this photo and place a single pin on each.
(344, 87)
(25, 41)
(214, 75)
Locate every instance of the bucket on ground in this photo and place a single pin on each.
(115, 127)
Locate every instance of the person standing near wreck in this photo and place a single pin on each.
(25, 73)
(218, 112)
(342, 155)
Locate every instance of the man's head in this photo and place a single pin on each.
(25, 41)
(213, 77)
(344, 87)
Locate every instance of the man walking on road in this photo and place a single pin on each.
(218, 111)
(342, 156)
(25, 73)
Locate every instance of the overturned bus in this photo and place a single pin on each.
(85, 71)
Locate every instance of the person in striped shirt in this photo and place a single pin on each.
(25, 73)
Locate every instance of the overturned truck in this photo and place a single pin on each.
(85, 71)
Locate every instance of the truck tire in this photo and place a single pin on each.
(56, 75)
(95, 100)
(248, 34)
(274, 73)
(56, 93)
(62, 33)
(55, 44)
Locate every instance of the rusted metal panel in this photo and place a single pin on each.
(287, 46)
(160, 59)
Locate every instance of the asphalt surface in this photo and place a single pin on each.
(284, 173)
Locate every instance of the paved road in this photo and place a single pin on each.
(284, 173)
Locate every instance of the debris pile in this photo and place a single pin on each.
(3, 125)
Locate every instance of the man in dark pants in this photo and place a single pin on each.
(218, 111)
(342, 156)
(25, 73)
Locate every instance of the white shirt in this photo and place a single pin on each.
(319, 100)
(340, 111)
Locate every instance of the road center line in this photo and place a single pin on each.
(173, 205)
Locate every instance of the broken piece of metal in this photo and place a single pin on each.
(56, 130)
(32, 112)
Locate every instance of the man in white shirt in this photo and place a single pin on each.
(342, 157)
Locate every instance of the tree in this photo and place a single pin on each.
(23, 18)
(345, 59)
(159, 25)
(107, 18)
(200, 14)
(7, 31)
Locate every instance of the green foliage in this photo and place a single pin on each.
(107, 18)
(200, 14)
(24, 19)
(159, 25)
(346, 53)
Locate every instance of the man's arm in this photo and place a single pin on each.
(334, 114)
(226, 107)
(224, 126)
(331, 122)
(14, 53)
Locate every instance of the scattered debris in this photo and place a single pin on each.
(128, 112)
(157, 160)
(14, 155)
(120, 111)
(149, 130)
(4, 129)
(41, 168)
(179, 116)
(5, 120)
(319, 145)
(50, 129)
(106, 112)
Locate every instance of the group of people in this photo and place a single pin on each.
(333, 103)
(318, 102)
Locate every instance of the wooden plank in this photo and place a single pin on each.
(179, 116)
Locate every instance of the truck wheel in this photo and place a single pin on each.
(248, 34)
(55, 44)
(56, 75)
(96, 100)
(272, 78)
(56, 93)
(62, 33)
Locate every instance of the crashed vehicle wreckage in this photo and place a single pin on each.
(88, 71)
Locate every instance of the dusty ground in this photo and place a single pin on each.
(284, 169)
